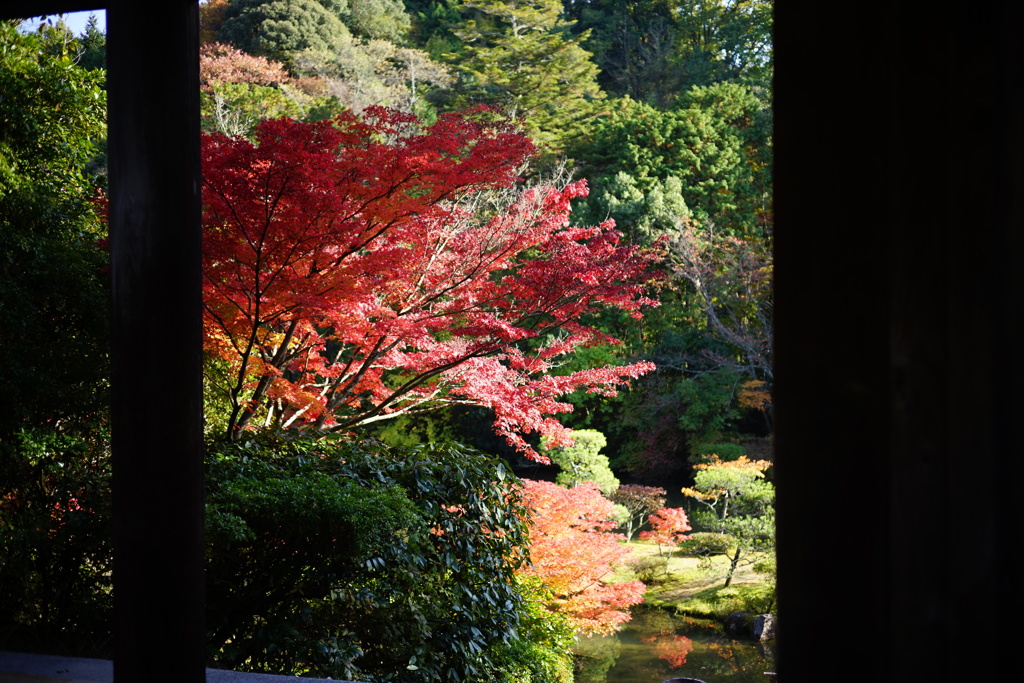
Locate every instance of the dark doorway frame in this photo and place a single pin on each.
(899, 172)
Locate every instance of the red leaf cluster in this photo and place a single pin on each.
(573, 549)
(669, 527)
(357, 269)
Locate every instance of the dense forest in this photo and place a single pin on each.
(487, 292)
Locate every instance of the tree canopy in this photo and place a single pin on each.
(361, 269)
(52, 284)
(520, 54)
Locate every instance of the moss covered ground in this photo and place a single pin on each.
(686, 585)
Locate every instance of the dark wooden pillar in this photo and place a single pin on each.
(899, 303)
(831, 365)
(157, 341)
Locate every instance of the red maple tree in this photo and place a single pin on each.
(359, 269)
(574, 550)
(669, 527)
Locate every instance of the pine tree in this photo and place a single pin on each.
(520, 54)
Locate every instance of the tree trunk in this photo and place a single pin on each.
(735, 560)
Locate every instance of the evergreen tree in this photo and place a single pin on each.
(93, 46)
(716, 143)
(583, 461)
(521, 55)
(53, 298)
(381, 19)
(655, 50)
(280, 28)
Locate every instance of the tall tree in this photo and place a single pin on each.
(211, 18)
(655, 50)
(357, 270)
(717, 143)
(725, 40)
(54, 458)
(520, 54)
(737, 501)
(53, 296)
(280, 28)
(238, 90)
(634, 44)
(379, 19)
(365, 73)
(732, 279)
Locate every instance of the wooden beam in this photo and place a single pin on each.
(156, 354)
(23, 9)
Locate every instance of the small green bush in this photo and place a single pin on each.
(706, 544)
(651, 569)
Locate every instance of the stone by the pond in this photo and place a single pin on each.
(745, 625)
(739, 625)
(764, 627)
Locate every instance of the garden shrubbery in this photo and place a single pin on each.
(354, 560)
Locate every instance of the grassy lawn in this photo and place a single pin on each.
(684, 586)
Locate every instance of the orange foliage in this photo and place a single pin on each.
(211, 18)
(739, 469)
(219, 63)
(673, 649)
(753, 395)
(573, 549)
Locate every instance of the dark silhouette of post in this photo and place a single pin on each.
(156, 319)
(899, 302)
(156, 348)
(156, 359)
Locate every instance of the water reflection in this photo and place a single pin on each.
(656, 645)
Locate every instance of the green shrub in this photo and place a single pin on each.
(706, 544)
(756, 599)
(355, 560)
(650, 569)
(725, 451)
(282, 536)
(55, 543)
(543, 651)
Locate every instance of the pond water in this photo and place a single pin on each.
(656, 645)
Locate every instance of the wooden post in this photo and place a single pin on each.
(157, 410)
(899, 232)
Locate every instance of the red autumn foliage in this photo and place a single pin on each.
(359, 269)
(669, 527)
(573, 550)
(639, 501)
